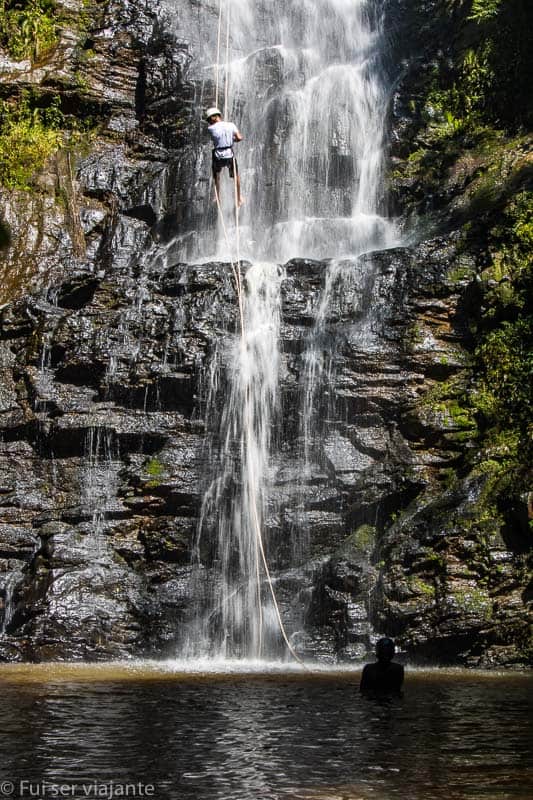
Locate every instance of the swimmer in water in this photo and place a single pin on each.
(383, 676)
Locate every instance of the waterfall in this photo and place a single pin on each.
(306, 89)
(240, 620)
(98, 484)
(9, 588)
(310, 103)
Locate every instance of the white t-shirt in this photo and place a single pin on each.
(222, 135)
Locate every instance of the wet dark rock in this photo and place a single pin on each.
(107, 488)
(338, 599)
(448, 598)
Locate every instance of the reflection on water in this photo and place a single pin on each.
(234, 736)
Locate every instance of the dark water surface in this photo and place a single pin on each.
(98, 732)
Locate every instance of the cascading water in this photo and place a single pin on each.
(9, 589)
(311, 105)
(240, 620)
(305, 88)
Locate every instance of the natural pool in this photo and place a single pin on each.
(156, 730)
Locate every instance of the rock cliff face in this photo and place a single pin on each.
(104, 351)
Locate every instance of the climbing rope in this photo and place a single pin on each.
(226, 81)
(238, 243)
(235, 265)
(219, 33)
(257, 526)
(236, 268)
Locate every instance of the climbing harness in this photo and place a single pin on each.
(236, 269)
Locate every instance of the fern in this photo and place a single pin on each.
(483, 10)
(28, 137)
(28, 28)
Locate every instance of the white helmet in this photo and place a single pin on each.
(213, 112)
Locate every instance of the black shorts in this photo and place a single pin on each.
(220, 163)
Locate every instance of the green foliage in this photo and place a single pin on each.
(504, 389)
(82, 84)
(487, 75)
(154, 468)
(461, 271)
(458, 107)
(462, 417)
(436, 560)
(506, 356)
(494, 406)
(483, 10)
(27, 28)
(28, 136)
(364, 537)
(420, 587)
(413, 337)
(512, 243)
(451, 401)
(360, 541)
(32, 128)
(474, 601)
(470, 154)
(476, 79)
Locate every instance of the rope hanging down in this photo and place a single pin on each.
(217, 63)
(236, 268)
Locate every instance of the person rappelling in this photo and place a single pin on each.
(224, 135)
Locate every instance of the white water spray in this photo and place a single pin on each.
(239, 619)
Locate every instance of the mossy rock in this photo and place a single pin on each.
(474, 601)
(360, 542)
(422, 588)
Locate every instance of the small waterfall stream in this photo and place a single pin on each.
(7, 609)
(306, 89)
(240, 620)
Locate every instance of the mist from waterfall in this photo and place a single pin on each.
(304, 85)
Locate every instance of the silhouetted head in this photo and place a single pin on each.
(385, 650)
